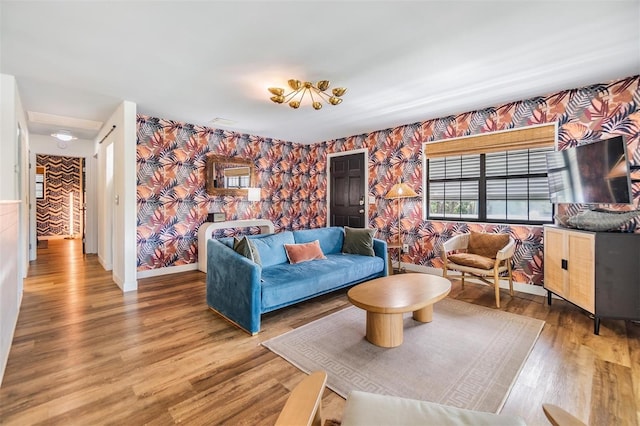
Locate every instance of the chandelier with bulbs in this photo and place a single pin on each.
(300, 89)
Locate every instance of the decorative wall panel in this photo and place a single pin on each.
(582, 114)
(171, 196)
(172, 202)
(63, 179)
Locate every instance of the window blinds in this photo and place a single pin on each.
(525, 138)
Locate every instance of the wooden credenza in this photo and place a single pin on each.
(597, 271)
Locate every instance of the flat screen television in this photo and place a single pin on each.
(593, 173)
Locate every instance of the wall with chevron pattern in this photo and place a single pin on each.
(63, 177)
(172, 201)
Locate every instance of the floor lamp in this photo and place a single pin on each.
(398, 191)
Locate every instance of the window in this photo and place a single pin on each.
(237, 177)
(503, 186)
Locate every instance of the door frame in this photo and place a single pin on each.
(90, 218)
(365, 153)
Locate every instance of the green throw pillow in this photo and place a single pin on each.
(358, 241)
(247, 248)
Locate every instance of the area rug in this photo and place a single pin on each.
(469, 356)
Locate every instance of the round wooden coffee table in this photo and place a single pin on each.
(386, 299)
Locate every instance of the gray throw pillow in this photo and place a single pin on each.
(358, 241)
(247, 248)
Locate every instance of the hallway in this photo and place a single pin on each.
(82, 349)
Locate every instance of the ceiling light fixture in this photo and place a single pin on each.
(300, 89)
(63, 135)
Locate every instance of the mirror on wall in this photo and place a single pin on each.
(229, 176)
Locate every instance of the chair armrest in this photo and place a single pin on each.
(559, 417)
(304, 405)
(507, 251)
(459, 242)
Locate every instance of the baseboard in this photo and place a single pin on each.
(166, 271)
(105, 265)
(521, 287)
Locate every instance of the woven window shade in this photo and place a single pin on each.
(525, 138)
(237, 171)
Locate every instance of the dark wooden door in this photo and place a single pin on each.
(347, 190)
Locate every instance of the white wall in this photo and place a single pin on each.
(105, 206)
(14, 219)
(8, 132)
(117, 210)
(14, 161)
(82, 148)
(10, 293)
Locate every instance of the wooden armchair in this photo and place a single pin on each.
(482, 255)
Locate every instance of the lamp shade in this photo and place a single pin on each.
(253, 194)
(400, 190)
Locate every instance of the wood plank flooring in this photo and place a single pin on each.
(84, 353)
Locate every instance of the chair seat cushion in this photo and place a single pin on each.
(472, 260)
(365, 409)
(485, 244)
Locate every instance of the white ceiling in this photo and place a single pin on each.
(402, 62)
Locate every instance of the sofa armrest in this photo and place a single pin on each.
(380, 249)
(233, 286)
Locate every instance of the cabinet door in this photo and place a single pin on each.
(618, 275)
(554, 252)
(581, 267)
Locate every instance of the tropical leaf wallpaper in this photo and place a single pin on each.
(172, 201)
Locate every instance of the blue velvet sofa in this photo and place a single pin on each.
(241, 290)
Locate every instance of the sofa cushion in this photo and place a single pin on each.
(486, 245)
(298, 253)
(472, 260)
(285, 284)
(271, 247)
(331, 238)
(247, 248)
(227, 241)
(358, 241)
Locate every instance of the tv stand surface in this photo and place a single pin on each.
(597, 271)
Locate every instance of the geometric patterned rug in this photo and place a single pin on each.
(469, 356)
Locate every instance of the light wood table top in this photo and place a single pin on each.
(399, 293)
(386, 299)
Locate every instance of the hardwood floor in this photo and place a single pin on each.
(85, 353)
